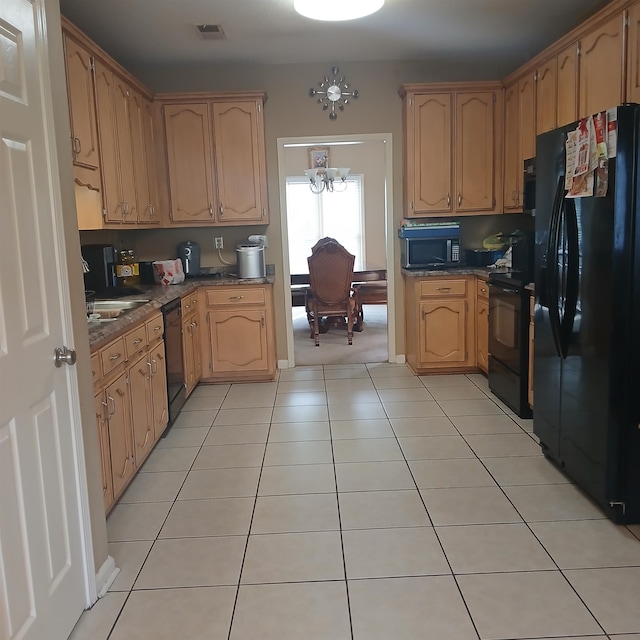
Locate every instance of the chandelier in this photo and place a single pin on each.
(337, 9)
(327, 179)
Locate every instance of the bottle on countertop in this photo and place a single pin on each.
(128, 269)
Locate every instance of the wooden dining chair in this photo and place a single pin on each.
(330, 292)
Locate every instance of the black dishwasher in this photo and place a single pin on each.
(176, 387)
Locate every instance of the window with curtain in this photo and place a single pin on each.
(313, 216)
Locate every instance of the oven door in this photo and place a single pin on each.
(505, 320)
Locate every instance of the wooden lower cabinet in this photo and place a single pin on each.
(440, 323)
(131, 404)
(239, 342)
(105, 453)
(191, 349)
(482, 325)
(118, 399)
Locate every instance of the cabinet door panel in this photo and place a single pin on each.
(105, 455)
(546, 96)
(105, 92)
(633, 54)
(567, 106)
(443, 335)
(79, 66)
(432, 174)
(482, 333)
(527, 104)
(474, 133)
(190, 160)
(141, 407)
(139, 153)
(125, 152)
(159, 390)
(150, 155)
(601, 81)
(238, 340)
(239, 162)
(512, 174)
(119, 420)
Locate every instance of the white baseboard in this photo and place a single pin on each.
(106, 575)
(400, 359)
(284, 364)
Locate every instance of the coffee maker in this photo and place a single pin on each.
(101, 260)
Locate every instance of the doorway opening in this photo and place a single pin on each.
(359, 218)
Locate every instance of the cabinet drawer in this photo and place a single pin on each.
(430, 288)
(96, 368)
(155, 328)
(112, 355)
(135, 340)
(235, 296)
(189, 304)
(482, 289)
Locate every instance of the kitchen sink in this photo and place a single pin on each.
(109, 310)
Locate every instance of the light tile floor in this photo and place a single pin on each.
(361, 502)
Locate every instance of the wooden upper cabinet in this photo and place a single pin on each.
(430, 181)
(601, 68)
(567, 100)
(633, 54)
(527, 106)
(189, 156)
(105, 93)
(140, 110)
(240, 161)
(474, 135)
(546, 96)
(512, 175)
(82, 105)
(452, 151)
(125, 166)
(216, 161)
(153, 213)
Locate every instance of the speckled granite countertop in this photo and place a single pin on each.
(481, 272)
(159, 295)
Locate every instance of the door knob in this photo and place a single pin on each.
(64, 355)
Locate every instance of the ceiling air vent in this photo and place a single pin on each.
(211, 32)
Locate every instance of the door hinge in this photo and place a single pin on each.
(495, 98)
(410, 101)
(625, 22)
(104, 214)
(259, 107)
(578, 49)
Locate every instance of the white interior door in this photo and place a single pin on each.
(42, 588)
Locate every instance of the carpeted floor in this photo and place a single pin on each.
(370, 345)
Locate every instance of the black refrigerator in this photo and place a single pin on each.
(587, 322)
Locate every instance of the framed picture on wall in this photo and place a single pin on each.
(318, 157)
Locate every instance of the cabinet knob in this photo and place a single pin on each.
(448, 199)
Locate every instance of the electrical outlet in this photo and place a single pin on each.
(218, 243)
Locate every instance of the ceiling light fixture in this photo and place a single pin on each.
(329, 179)
(336, 10)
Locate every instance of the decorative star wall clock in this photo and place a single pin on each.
(334, 93)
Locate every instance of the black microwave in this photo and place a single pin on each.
(430, 247)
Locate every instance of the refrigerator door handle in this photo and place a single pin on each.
(552, 265)
(572, 276)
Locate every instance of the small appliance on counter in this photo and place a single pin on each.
(189, 254)
(429, 245)
(100, 269)
(251, 262)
